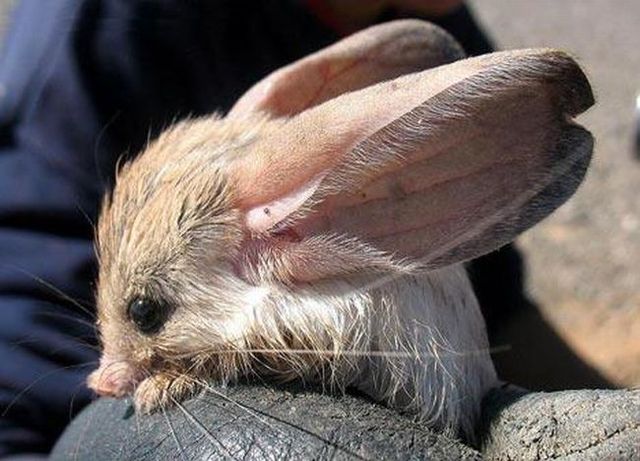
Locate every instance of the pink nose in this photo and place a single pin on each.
(112, 379)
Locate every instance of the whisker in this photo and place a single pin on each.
(203, 430)
(76, 391)
(39, 379)
(147, 374)
(353, 353)
(75, 342)
(83, 433)
(64, 316)
(96, 147)
(245, 408)
(174, 436)
(56, 290)
(85, 215)
(328, 442)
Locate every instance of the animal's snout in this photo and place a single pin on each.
(113, 379)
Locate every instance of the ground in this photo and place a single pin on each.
(583, 262)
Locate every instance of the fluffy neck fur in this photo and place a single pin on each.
(417, 343)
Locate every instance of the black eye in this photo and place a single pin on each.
(147, 315)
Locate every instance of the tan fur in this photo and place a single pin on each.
(167, 232)
(292, 239)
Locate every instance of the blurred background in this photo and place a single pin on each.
(583, 264)
(5, 9)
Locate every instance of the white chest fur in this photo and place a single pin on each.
(417, 343)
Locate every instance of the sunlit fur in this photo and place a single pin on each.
(169, 230)
(221, 220)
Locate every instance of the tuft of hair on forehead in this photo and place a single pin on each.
(173, 204)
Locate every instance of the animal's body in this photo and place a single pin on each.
(317, 231)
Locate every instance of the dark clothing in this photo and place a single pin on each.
(86, 82)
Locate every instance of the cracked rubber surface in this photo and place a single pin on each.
(256, 422)
(569, 425)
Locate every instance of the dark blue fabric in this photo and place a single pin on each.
(86, 82)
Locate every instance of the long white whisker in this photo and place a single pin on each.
(174, 436)
(239, 405)
(355, 353)
(54, 289)
(203, 430)
(37, 380)
(85, 429)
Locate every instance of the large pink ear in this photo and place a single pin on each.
(438, 166)
(373, 55)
